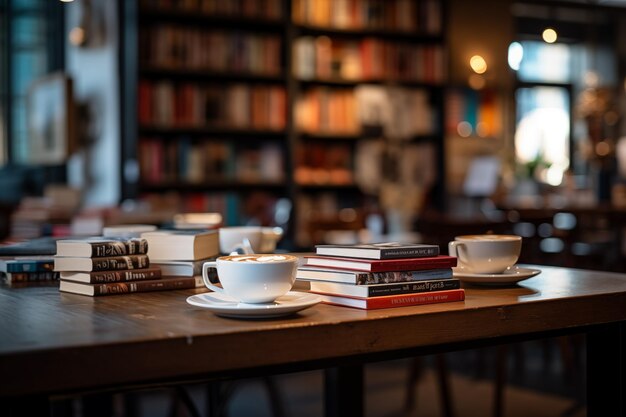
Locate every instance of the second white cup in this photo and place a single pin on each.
(485, 254)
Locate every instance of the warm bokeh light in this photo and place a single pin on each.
(464, 129)
(549, 35)
(478, 64)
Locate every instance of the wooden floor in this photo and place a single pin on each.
(539, 390)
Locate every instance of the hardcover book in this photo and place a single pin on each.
(320, 273)
(112, 288)
(182, 245)
(389, 301)
(100, 277)
(385, 250)
(378, 290)
(98, 247)
(27, 264)
(112, 263)
(37, 276)
(383, 265)
(180, 268)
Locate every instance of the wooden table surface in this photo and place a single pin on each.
(53, 342)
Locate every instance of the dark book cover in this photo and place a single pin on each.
(101, 277)
(384, 250)
(99, 247)
(380, 265)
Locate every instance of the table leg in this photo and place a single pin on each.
(606, 370)
(344, 391)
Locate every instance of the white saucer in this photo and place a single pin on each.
(511, 275)
(223, 305)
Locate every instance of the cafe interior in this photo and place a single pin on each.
(340, 122)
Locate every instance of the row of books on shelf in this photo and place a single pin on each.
(236, 208)
(325, 58)
(400, 111)
(175, 47)
(393, 15)
(185, 161)
(242, 106)
(265, 9)
(317, 163)
(372, 276)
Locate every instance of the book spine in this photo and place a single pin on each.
(144, 286)
(124, 276)
(366, 278)
(120, 262)
(400, 266)
(418, 287)
(13, 277)
(121, 248)
(30, 266)
(416, 299)
(409, 253)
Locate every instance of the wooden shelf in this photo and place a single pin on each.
(215, 185)
(212, 131)
(354, 83)
(205, 20)
(329, 187)
(200, 74)
(144, 67)
(377, 33)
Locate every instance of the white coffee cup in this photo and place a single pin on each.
(253, 278)
(485, 254)
(232, 238)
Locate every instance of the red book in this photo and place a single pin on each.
(402, 300)
(382, 265)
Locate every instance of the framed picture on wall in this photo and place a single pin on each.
(50, 120)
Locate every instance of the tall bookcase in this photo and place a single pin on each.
(232, 106)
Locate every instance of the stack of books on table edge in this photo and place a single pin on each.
(28, 269)
(181, 253)
(106, 266)
(381, 275)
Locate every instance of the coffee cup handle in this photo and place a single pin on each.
(452, 248)
(205, 277)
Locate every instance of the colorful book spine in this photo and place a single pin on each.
(113, 288)
(39, 276)
(102, 277)
(396, 300)
(381, 290)
(30, 265)
(112, 263)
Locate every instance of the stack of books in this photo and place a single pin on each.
(381, 275)
(105, 266)
(28, 269)
(180, 254)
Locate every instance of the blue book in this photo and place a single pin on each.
(27, 264)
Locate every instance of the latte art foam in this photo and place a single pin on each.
(262, 258)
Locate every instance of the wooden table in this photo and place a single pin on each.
(56, 343)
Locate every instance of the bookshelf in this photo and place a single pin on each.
(224, 100)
